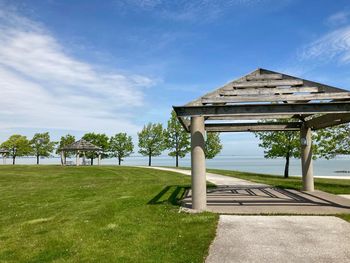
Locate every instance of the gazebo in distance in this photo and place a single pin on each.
(4, 154)
(261, 95)
(81, 146)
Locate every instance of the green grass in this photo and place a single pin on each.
(334, 186)
(98, 214)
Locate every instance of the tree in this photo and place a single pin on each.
(100, 140)
(121, 146)
(41, 145)
(151, 141)
(284, 144)
(213, 145)
(17, 145)
(65, 140)
(333, 141)
(176, 139)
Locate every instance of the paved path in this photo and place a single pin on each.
(280, 239)
(216, 179)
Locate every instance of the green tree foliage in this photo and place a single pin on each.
(64, 141)
(100, 140)
(151, 141)
(41, 145)
(213, 145)
(284, 144)
(176, 139)
(17, 145)
(333, 141)
(121, 146)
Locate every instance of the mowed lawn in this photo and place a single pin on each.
(98, 214)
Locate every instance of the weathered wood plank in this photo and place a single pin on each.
(252, 117)
(268, 83)
(264, 77)
(275, 98)
(263, 109)
(267, 91)
(252, 127)
(328, 120)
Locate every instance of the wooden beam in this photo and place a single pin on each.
(264, 77)
(267, 91)
(263, 109)
(274, 98)
(252, 117)
(252, 127)
(268, 83)
(328, 120)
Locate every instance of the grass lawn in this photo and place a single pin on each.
(98, 214)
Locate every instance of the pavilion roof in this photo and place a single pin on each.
(81, 145)
(4, 150)
(268, 95)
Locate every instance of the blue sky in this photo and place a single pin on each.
(112, 66)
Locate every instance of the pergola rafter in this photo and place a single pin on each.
(260, 98)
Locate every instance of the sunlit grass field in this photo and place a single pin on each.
(98, 214)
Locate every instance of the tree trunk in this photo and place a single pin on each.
(14, 160)
(37, 159)
(119, 160)
(286, 168)
(92, 160)
(149, 160)
(177, 160)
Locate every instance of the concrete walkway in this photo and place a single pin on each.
(237, 196)
(217, 179)
(280, 239)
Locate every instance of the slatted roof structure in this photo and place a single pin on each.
(267, 95)
(81, 145)
(253, 103)
(4, 151)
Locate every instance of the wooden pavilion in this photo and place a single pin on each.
(4, 154)
(81, 146)
(262, 95)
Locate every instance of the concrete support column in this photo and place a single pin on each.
(77, 158)
(99, 159)
(199, 187)
(306, 158)
(62, 158)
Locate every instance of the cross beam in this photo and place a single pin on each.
(253, 127)
(263, 109)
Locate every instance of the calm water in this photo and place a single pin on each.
(322, 167)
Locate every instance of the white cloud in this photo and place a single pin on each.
(339, 18)
(334, 45)
(42, 86)
(184, 10)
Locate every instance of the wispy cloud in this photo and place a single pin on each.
(339, 18)
(43, 86)
(333, 45)
(183, 10)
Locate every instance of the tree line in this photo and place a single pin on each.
(153, 139)
(326, 143)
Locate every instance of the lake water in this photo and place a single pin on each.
(322, 167)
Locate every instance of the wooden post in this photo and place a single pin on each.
(199, 187)
(306, 158)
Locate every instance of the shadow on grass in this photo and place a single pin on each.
(171, 194)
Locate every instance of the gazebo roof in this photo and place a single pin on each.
(81, 145)
(4, 151)
(268, 95)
